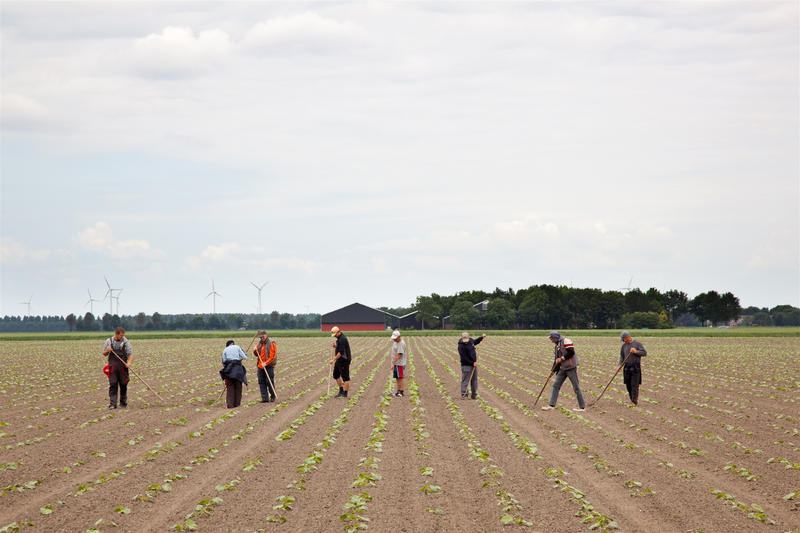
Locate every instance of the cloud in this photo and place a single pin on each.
(17, 254)
(177, 53)
(528, 231)
(235, 255)
(100, 239)
(307, 32)
(21, 112)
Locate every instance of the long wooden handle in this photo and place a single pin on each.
(138, 376)
(612, 379)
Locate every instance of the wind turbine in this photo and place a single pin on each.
(90, 302)
(213, 293)
(119, 291)
(259, 293)
(110, 296)
(28, 303)
(626, 289)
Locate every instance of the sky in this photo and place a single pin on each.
(378, 151)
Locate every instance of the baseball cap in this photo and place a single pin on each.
(334, 331)
(623, 335)
(554, 335)
(395, 334)
(261, 333)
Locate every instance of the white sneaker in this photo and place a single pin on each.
(579, 410)
(547, 407)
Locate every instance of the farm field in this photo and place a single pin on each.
(713, 446)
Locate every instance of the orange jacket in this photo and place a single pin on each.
(266, 359)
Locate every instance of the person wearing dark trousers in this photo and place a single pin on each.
(469, 364)
(267, 354)
(566, 366)
(341, 361)
(234, 373)
(118, 369)
(630, 354)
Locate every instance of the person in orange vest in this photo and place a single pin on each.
(267, 354)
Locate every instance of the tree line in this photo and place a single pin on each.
(560, 307)
(159, 322)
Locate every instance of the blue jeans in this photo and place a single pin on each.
(573, 377)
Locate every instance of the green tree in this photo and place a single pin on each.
(640, 320)
(533, 309)
(71, 321)
(429, 312)
(706, 306)
(637, 301)
(663, 321)
(287, 321)
(158, 321)
(500, 314)
(464, 315)
(675, 303)
(89, 322)
(237, 321)
(762, 318)
(108, 321)
(612, 306)
(785, 315)
(215, 322)
(141, 321)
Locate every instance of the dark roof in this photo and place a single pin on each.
(355, 314)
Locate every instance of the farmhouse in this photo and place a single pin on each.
(356, 317)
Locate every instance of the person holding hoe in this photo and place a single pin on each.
(234, 373)
(630, 354)
(566, 366)
(341, 361)
(120, 356)
(399, 361)
(469, 363)
(267, 353)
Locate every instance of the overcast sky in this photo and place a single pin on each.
(376, 151)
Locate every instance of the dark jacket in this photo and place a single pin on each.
(343, 347)
(234, 370)
(466, 350)
(564, 348)
(634, 359)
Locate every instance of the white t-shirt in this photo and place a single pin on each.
(400, 348)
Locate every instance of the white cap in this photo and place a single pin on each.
(395, 334)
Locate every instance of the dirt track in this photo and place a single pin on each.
(715, 415)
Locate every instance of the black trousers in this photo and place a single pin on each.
(118, 378)
(633, 378)
(263, 384)
(234, 394)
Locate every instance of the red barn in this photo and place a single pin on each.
(355, 317)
